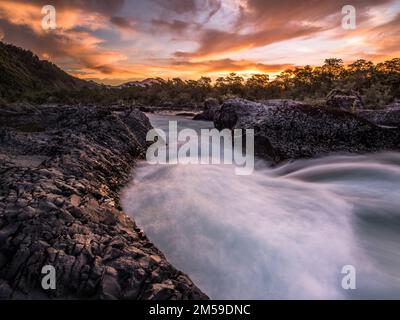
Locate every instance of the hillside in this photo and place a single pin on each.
(24, 75)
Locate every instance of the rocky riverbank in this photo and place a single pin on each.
(61, 171)
(286, 131)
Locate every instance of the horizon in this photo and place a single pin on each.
(122, 41)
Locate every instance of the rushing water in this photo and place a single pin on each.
(280, 233)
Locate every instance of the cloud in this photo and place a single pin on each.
(73, 44)
(170, 68)
(261, 23)
(216, 43)
(192, 15)
(229, 65)
(75, 48)
(105, 7)
(372, 41)
(70, 14)
(123, 23)
(212, 7)
(135, 39)
(178, 6)
(386, 37)
(174, 26)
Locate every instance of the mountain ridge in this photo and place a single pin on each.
(23, 75)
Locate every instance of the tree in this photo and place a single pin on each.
(256, 86)
(232, 84)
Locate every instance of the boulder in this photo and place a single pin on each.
(211, 106)
(346, 100)
(302, 131)
(389, 116)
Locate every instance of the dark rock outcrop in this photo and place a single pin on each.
(389, 116)
(346, 100)
(60, 173)
(211, 106)
(293, 132)
(281, 103)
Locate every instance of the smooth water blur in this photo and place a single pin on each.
(280, 233)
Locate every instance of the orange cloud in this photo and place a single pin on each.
(22, 14)
(72, 42)
(262, 23)
(189, 38)
(117, 74)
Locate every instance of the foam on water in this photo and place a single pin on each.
(279, 233)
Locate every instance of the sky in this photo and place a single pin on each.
(116, 41)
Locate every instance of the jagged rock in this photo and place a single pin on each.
(281, 102)
(61, 169)
(283, 132)
(389, 116)
(346, 100)
(211, 106)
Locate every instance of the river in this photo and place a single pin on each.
(282, 232)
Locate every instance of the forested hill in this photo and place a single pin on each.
(23, 75)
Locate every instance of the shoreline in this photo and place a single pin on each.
(60, 207)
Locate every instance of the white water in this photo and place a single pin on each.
(280, 233)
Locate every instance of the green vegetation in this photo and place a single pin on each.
(24, 77)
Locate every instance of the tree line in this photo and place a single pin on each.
(378, 84)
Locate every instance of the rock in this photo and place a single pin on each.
(186, 114)
(239, 112)
(59, 205)
(211, 106)
(110, 288)
(200, 117)
(281, 102)
(283, 132)
(346, 100)
(389, 116)
(146, 109)
(5, 290)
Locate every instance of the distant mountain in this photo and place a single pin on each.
(144, 83)
(23, 74)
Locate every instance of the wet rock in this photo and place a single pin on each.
(211, 106)
(59, 205)
(291, 132)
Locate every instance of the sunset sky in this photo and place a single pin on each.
(116, 41)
